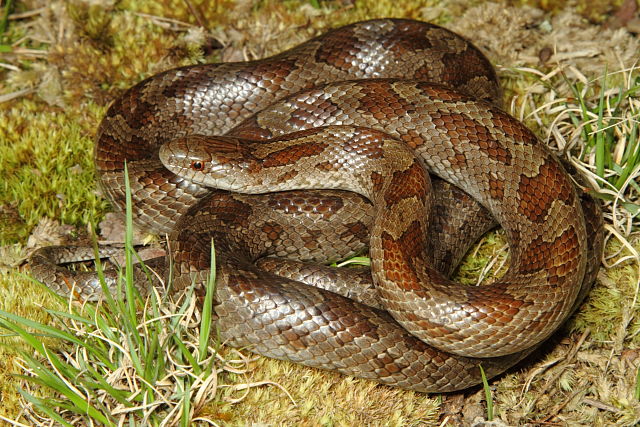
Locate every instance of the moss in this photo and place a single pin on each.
(113, 50)
(608, 305)
(47, 167)
(321, 398)
(386, 8)
(491, 248)
(596, 11)
(209, 13)
(20, 296)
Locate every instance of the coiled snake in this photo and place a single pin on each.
(306, 119)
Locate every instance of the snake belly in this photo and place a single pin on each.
(459, 134)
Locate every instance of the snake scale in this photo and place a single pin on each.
(363, 108)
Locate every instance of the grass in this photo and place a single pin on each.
(4, 19)
(487, 395)
(610, 136)
(637, 394)
(52, 106)
(129, 361)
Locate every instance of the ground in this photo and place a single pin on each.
(64, 62)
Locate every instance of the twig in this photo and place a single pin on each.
(9, 66)
(162, 21)
(247, 386)
(12, 422)
(16, 94)
(27, 14)
(572, 353)
(30, 52)
(600, 405)
(196, 13)
(556, 410)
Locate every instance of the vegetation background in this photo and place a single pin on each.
(570, 72)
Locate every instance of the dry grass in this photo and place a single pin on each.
(69, 59)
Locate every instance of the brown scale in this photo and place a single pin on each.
(434, 91)
(290, 157)
(398, 252)
(407, 37)
(515, 130)
(343, 59)
(379, 101)
(469, 61)
(496, 188)
(408, 183)
(461, 128)
(287, 176)
(541, 255)
(537, 193)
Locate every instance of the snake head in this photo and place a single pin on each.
(213, 161)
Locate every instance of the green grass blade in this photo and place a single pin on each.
(487, 394)
(101, 384)
(631, 157)
(184, 351)
(42, 406)
(186, 406)
(4, 21)
(52, 380)
(33, 339)
(133, 354)
(128, 243)
(48, 331)
(637, 391)
(600, 135)
(150, 355)
(205, 325)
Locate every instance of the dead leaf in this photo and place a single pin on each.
(112, 230)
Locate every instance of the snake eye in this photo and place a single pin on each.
(197, 165)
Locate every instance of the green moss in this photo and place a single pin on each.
(47, 167)
(608, 305)
(210, 13)
(20, 296)
(321, 398)
(474, 263)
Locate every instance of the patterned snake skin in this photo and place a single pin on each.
(432, 334)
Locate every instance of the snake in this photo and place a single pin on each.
(386, 134)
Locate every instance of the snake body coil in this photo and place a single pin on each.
(430, 91)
